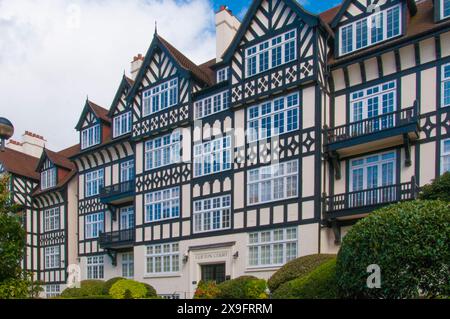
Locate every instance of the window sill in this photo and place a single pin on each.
(162, 276)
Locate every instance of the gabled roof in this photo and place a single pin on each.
(100, 112)
(19, 163)
(56, 158)
(125, 83)
(345, 4)
(307, 16)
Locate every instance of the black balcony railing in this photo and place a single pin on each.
(358, 201)
(117, 239)
(372, 125)
(117, 191)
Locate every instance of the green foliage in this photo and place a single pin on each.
(318, 284)
(109, 283)
(245, 287)
(128, 289)
(439, 189)
(297, 268)
(87, 288)
(206, 290)
(12, 235)
(14, 288)
(69, 293)
(410, 241)
(151, 292)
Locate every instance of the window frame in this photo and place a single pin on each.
(442, 9)
(128, 167)
(445, 80)
(94, 226)
(99, 181)
(369, 21)
(161, 254)
(223, 208)
(49, 178)
(444, 155)
(52, 257)
(119, 124)
(175, 193)
(52, 219)
(95, 265)
(91, 136)
(201, 106)
(174, 149)
(208, 150)
(223, 74)
(127, 265)
(154, 94)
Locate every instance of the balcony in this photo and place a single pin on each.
(118, 194)
(390, 129)
(352, 204)
(117, 240)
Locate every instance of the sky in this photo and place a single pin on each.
(56, 53)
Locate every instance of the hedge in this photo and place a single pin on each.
(87, 288)
(245, 287)
(128, 289)
(151, 292)
(318, 284)
(109, 283)
(439, 189)
(297, 268)
(409, 241)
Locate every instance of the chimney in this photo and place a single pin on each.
(227, 26)
(32, 144)
(136, 65)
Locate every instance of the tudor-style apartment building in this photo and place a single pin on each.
(300, 126)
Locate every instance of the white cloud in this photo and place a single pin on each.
(55, 52)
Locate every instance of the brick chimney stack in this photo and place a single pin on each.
(136, 65)
(227, 26)
(32, 144)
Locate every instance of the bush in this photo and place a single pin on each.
(245, 287)
(151, 292)
(318, 284)
(87, 288)
(109, 283)
(14, 289)
(71, 293)
(207, 290)
(297, 268)
(438, 189)
(410, 243)
(128, 289)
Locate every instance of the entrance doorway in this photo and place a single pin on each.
(215, 272)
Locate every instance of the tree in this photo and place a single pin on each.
(409, 242)
(438, 189)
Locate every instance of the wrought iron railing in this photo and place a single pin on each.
(370, 197)
(121, 237)
(372, 125)
(118, 189)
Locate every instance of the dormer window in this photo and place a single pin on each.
(271, 53)
(90, 136)
(160, 97)
(377, 27)
(445, 9)
(122, 124)
(223, 74)
(48, 178)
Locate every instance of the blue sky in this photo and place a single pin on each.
(239, 7)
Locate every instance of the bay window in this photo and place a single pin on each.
(272, 183)
(163, 151)
(160, 97)
(212, 157)
(271, 53)
(90, 136)
(212, 214)
(377, 27)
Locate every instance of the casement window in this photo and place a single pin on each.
(128, 265)
(445, 85)
(272, 183)
(95, 267)
(94, 225)
(273, 118)
(223, 74)
(52, 257)
(52, 291)
(162, 151)
(212, 214)
(90, 136)
(377, 27)
(52, 219)
(122, 124)
(377, 102)
(445, 9)
(162, 259)
(160, 97)
(127, 218)
(373, 179)
(212, 157)
(127, 171)
(271, 53)
(48, 178)
(211, 105)
(445, 156)
(162, 205)
(272, 247)
(94, 182)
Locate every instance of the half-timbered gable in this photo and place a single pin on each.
(121, 112)
(94, 125)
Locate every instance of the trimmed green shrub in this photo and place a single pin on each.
(297, 268)
(151, 292)
(87, 288)
(438, 189)
(318, 284)
(128, 289)
(207, 290)
(409, 241)
(108, 284)
(245, 287)
(71, 293)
